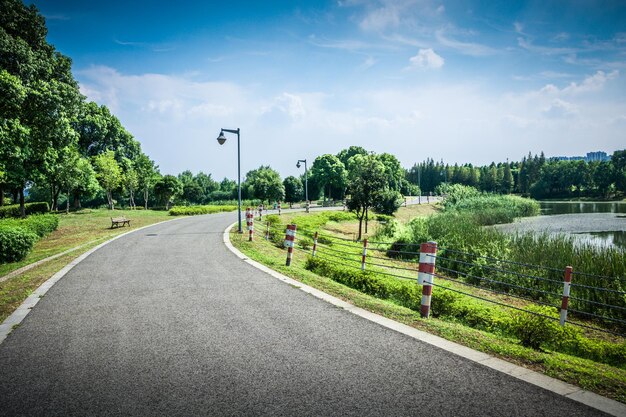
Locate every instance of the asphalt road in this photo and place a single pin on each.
(166, 321)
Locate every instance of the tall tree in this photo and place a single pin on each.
(109, 174)
(294, 190)
(167, 188)
(367, 181)
(147, 175)
(265, 184)
(329, 171)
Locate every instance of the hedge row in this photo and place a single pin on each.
(196, 210)
(532, 330)
(17, 236)
(13, 210)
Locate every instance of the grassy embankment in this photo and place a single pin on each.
(398, 299)
(84, 229)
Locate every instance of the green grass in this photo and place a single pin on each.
(197, 210)
(85, 227)
(601, 378)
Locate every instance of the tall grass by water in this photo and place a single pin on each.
(525, 264)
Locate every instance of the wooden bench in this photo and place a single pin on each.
(117, 221)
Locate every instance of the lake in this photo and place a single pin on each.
(600, 223)
(581, 207)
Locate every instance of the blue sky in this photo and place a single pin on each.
(462, 81)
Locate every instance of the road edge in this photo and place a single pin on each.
(570, 391)
(16, 318)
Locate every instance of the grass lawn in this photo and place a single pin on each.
(86, 228)
(600, 378)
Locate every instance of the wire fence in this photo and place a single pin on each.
(597, 304)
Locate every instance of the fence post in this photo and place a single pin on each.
(364, 254)
(260, 211)
(314, 244)
(267, 230)
(425, 276)
(567, 282)
(290, 237)
(250, 222)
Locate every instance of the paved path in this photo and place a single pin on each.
(166, 321)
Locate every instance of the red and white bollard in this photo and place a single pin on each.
(364, 254)
(314, 244)
(567, 283)
(278, 207)
(290, 237)
(250, 222)
(426, 275)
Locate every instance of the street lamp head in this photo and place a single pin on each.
(221, 138)
(298, 164)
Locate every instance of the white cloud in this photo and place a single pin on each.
(560, 108)
(465, 48)
(593, 83)
(381, 18)
(177, 118)
(426, 58)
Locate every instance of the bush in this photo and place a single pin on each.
(15, 243)
(13, 210)
(197, 210)
(41, 224)
(535, 330)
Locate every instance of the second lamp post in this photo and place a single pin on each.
(306, 183)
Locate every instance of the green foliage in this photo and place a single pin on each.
(31, 208)
(15, 243)
(387, 202)
(328, 171)
(197, 210)
(264, 183)
(294, 189)
(535, 330)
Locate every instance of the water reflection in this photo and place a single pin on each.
(603, 239)
(581, 207)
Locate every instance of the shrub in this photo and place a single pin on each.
(13, 210)
(305, 243)
(15, 243)
(535, 330)
(197, 210)
(40, 224)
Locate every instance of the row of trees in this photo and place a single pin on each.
(51, 139)
(536, 176)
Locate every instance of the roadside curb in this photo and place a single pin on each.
(16, 318)
(570, 391)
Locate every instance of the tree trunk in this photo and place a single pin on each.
(132, 200)
(55, 198)
(360, 225)
(1, 196)
(76, 200)
(110, 200)
(367, 217)
(22, 206)
(145, 198)
(15, 195)
(67, 203)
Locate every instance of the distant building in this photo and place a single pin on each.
(597, 156)
(591, 157)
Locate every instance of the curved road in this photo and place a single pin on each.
(166, 321)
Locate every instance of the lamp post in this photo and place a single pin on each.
(221, 139)
(306, 183)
